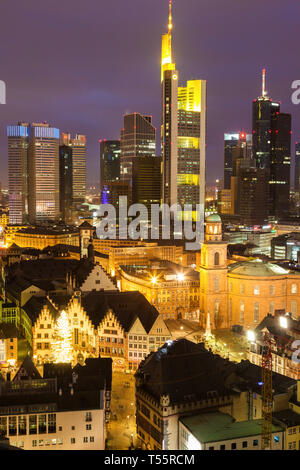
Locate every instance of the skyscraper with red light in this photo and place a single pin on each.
(272, 150)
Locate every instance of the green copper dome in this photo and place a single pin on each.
(213, 218)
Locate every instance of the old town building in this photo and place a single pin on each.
(63, 410)
(171, 288)
(183, 379)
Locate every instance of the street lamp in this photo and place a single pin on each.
(283, 322)
(251, 336)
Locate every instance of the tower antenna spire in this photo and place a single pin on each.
(170, 26)
(264, 82)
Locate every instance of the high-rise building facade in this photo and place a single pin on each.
(65, 183)
(33, 172)
(146, 177)
(280, 167)
(138, 139)
(78, 145)
(17, 173)
(43, 173)
(231, 141)
(237, 146)
(271, 150)
(183, 134)
(110, 153)
(297, 167)
(253, 195)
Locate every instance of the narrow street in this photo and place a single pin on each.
(121, 430)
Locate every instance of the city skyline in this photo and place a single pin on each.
(90, 95)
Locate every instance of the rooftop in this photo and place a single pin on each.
(287, 417)
(257, 268)
(215, 427)
(187, 372)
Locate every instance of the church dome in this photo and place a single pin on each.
(257, 268)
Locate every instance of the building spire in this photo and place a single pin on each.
(170, 26)
(264, 93)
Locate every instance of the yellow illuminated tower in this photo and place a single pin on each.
(183, 136)
(166, 47)
(169, 119)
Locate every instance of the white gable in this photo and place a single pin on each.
(159, 328)
(98, 280)
(137, 328)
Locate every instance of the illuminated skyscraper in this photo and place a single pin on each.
(43, 173)
(237, 145)
(183, 134)
(110, 173)
(271, 149)
(297, 167)
(138, 139)
(65, 183)
(17, 173)
(78, 145)
(33, 172)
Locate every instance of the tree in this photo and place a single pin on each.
(62, 345)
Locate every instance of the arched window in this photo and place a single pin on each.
(242, 289)
(217, 258)
(230, 309)
(272, 308)
(272, 290)
(217, 306)
(242, 311)
(217, 284)
(294, 288)
(256, 312)
(256, 290)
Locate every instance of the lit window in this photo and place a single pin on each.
(256, 290)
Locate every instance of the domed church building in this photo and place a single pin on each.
(241, 293)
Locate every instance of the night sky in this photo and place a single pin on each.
(81, 65)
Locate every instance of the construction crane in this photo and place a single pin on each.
(267, 397)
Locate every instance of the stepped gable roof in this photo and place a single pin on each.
(27, 371)
(35, 305)
(127, 306)
(189, 372)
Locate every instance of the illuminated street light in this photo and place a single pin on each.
(283, 322)
(180, 277)
(251, 336)
(154, 280)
